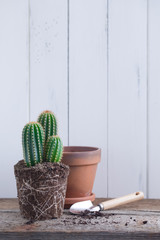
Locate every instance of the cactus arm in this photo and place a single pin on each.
(41, 142)
(45, 126)
(31, 146)
(36, 142)
(28, 160)
(48, 127)
(49, 133)
(51, 126)
(33, 143)
(54, 149)
(39, 151)
(54, 124)
(39, 118)
(49, 123)
(49, 147)
(59, 152)
(24, 143)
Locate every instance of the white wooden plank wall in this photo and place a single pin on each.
(127, 108)
(95, 63)
(88, 80)
(13, 88)
(154, 97)
(48, 61)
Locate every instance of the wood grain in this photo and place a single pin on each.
(138, 220)
(146, 205)
(79, 236)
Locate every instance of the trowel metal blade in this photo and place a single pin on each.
(80, 207)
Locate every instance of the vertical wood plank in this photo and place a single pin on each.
(154, 98)
(127, 96)
(88, 80)
(13, 89)
(48, 60)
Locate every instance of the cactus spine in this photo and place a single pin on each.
(49, 122)
(54, 149)
(33, 143)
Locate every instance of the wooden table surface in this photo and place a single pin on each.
(139, 220)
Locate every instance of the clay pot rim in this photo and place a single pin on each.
(87, 156)
(92, 149)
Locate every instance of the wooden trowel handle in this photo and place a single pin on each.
(122, 200)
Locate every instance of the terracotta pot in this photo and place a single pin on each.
(41, 189)
(83, 163)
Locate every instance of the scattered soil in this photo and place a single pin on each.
(88, 214)
(88, 218)
(115, 222)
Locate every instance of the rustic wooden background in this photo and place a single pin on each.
(96, 64)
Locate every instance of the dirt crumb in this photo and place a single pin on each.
(91, 214)
(144, 222)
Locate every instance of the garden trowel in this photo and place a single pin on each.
(81, 207)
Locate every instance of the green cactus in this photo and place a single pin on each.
(33, 143)
(49, 122)
(54, 149)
